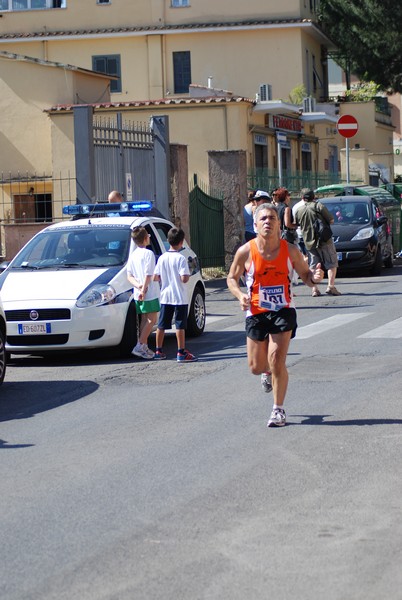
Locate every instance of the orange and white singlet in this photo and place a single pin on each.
(269, 282)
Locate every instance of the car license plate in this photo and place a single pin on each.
(339, 254)
(34, 328)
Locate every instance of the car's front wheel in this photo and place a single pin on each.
(197, 314)
(129, 339)
(389, 261)
(377, 266)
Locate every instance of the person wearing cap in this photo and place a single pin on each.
(319, 252)
(268, 263)
(261, 196)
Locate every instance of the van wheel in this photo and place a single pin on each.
(129, 339)
(377, 266)
(197, 314)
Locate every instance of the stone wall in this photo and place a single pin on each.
(228, 172)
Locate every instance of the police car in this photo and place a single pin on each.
(67, 289)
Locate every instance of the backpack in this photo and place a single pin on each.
(322, 229)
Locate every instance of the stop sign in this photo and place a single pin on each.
(347, 126)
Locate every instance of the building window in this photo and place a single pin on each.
(179, 3)
(31, 4)
(109, 64)
(32, 208)
(181, 72)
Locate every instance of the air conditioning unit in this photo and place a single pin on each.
(308, 105)
(265, 92)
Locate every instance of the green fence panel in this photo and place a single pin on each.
(294, 181)
(206, 227)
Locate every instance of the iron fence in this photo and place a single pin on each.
(29, 202)
(294, 181)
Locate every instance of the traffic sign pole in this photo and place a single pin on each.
(347, 161)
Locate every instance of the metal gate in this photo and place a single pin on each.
(124, 159)
(131, 158)
(206, 226)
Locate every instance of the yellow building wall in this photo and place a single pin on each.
(371, 133)
(147, 63)
(26, 90)
(87, 14)
(25, 129)
(200, 128)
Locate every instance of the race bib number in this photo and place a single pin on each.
(272, 297)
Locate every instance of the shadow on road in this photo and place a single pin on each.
(22, 400)
(319, 420)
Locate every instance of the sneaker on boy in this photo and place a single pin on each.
(185, 356)
(159, 355)
(142, 351)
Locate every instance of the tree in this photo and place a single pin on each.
(368, 35)
(297, 94)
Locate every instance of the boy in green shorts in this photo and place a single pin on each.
(140, 271)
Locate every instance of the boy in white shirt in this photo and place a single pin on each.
(173, 273)
(140, 272)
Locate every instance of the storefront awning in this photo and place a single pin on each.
(276, 107)
(318, 117)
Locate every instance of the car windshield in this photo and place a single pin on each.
(349, 212)
(81, 247)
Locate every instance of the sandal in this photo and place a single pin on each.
(316, 293)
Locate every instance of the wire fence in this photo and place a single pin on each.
(29, 202)
(294, 181)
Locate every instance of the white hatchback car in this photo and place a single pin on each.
(67, 289)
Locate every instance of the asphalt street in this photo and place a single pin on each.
(126, 480)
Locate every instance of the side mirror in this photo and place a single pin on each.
(381, 220)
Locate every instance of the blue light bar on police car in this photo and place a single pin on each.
(76, 209)
(102, 208)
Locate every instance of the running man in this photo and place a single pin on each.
(267, 263)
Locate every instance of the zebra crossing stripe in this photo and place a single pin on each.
(325, 325)
(392, 330)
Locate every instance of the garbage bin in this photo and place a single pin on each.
(396, 190)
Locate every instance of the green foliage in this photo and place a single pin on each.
(297, 94)
(368, 35)
(363, 92)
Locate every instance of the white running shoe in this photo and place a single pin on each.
(277, 418)
(266, 382)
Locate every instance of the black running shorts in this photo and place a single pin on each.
(258, 327)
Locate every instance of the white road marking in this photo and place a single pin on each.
(325, 325)
(215, 318)
(393, 330)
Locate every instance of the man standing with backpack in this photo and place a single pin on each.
(319, 251)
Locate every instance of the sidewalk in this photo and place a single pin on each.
(218, 283)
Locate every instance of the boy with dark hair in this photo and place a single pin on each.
(173, 273)
(140, 271)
